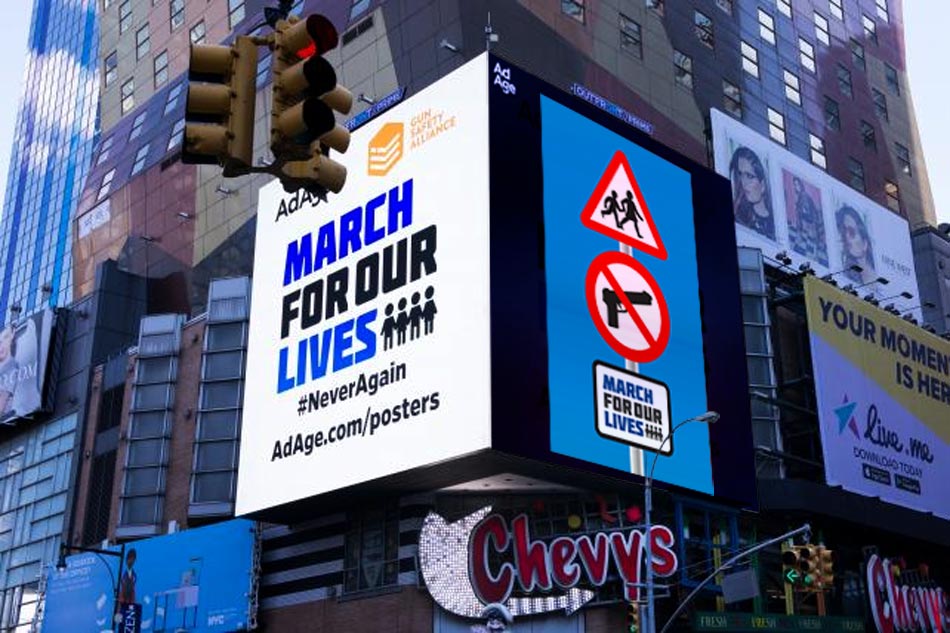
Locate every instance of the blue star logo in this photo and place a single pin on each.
(845, 415)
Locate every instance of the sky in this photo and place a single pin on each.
(925, 39)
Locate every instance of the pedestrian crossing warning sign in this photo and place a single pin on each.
(617, 209)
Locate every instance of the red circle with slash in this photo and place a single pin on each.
(627, 307)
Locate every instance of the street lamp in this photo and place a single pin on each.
(61, 566)
(709, 417)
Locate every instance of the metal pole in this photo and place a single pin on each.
(118, 586)
(648, 507)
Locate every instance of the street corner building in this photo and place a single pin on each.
(574, 317)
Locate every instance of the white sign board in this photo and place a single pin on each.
(783, 203)
(368, 352)
(632, 408)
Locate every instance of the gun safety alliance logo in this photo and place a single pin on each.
(385, 149)
(388, 147)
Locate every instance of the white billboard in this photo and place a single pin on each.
(369, 333)
(783, 203)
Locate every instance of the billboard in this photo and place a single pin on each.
(24, 354)
(783, 203)
(630, 250)
(883, 394)
(193, 581)
(369, 320)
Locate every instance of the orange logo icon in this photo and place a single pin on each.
(385, 149)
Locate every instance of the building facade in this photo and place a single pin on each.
(54, 140)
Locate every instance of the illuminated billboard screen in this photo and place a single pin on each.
(198, 580)
(369, 319)
(24, 358)
(509, 272)
(883, 391)
(783, 203)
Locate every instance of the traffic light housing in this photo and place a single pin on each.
(219, 110)
(633, 617)
(800, 566)
(306, 96)
(826, 567)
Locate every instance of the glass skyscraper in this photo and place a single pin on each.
(53, 143)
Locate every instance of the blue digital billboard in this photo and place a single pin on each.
(192, 581)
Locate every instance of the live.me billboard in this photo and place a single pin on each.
(883, 391)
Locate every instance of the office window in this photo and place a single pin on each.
(105, 185)
(855, 174)
(371, 550)
(631, 37)
(171, 102)
(732, 98)
(821, 29)
(766, 27)
(263, 70)
(141, 42)
(683, 69)
(844, 81)
(857, 55)
(868, 136)
(139, 163)
(137, 124)
(817, 151)
(125, 16)
(832, 114)
(160, 68)
(111, 69)
(837, 10)
(880, 103)
(104, 150)
(903, 159)
(882, 11)
(776, 126)
(893, 195)
(870, 28)
(175, 139)
(235, 12)
(806, 54)
(574, 9)
(793, 91)
(750, 59)
(176, 11)
(725, 5)
(197, 33)
(893, 80)
(703, 28)
(784, 7)
(127, 94)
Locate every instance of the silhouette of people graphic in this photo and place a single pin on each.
(612, 207)
(402, 322)
(429, 310)
(630, 213)
(415, 317)
(389, 325)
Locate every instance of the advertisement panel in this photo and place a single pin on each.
(883, 393)
(783, 203)
(369, 327)
(196, 581)
(636, 270)
(24, 354)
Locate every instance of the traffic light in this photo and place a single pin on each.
(633, 617)
(305, 97)
(826, 567)
(808, 564)
(219, 110)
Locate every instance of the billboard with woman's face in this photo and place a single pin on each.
(784, 204)
(24, 349)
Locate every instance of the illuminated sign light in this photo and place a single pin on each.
(903, 608)
(611, 107)
(456, 561)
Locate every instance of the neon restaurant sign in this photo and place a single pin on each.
(898, 608)
(481, 559)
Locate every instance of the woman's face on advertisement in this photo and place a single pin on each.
(753, 188)
(853, 239)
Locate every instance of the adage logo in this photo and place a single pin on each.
(845, 415)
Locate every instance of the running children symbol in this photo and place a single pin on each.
(414, 319)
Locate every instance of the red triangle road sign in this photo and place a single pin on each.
(617, 209)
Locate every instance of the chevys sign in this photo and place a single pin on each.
(902, 608)
(482, 559)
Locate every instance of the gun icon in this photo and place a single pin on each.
(614, 307)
